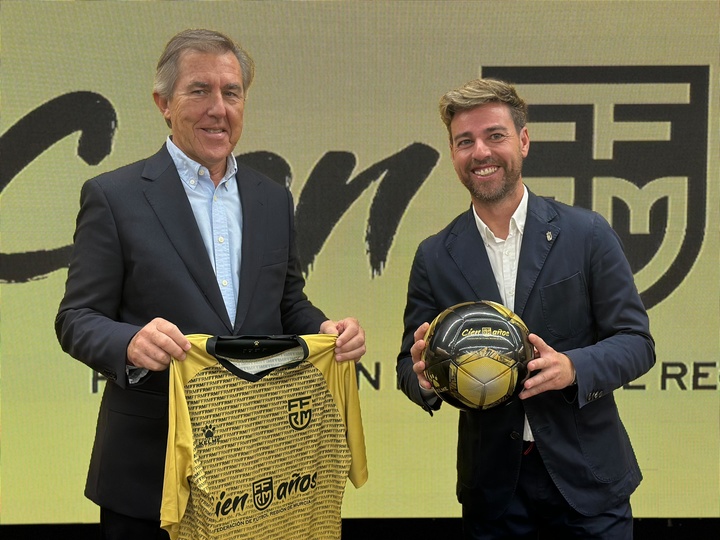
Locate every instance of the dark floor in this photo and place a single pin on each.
(398, 529)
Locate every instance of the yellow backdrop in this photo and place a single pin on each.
(628, 89)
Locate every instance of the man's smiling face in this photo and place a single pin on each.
(487, 151)
(206, 109)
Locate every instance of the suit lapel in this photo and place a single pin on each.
(539, 237)
(168, 200)
(466, 247)
(254, 223)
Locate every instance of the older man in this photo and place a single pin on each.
(185, 241)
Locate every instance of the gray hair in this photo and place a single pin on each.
(200, 40)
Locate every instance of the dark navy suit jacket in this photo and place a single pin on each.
(574, 289)
(138, 254)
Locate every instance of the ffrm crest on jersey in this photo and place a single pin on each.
(263, 493)
(299, 412)
(630, 142)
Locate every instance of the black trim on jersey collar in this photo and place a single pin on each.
(249, 347)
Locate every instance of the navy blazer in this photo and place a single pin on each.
(574, 289)
(138, 254)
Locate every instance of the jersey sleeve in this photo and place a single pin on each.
(341, 378)
(355, 434)
(179, 453)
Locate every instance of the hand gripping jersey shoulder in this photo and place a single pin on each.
(263, 433)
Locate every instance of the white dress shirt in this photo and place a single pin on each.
(504, 256)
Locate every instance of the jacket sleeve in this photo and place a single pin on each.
(87, 324)
(624, 348)
(421, 307)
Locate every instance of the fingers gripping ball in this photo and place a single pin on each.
(476, 354)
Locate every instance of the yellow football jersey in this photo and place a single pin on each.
(263, 434)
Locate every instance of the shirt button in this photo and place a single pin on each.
(202, 172)
(193, 182)
(224, 282)
(221, 239)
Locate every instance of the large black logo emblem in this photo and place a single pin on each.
(631, 143)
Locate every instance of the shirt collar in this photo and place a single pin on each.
(190, 171)
(517, 220)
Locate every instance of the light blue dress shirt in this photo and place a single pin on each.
(218, 214)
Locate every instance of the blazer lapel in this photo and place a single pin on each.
(254, 223)
(167, 197)
(539, 236)
(466, 247)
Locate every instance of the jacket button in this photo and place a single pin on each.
(515, 436)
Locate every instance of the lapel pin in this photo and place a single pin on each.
(548, 235)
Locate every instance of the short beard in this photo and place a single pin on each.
(508, 186)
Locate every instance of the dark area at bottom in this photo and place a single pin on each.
(400, 529)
